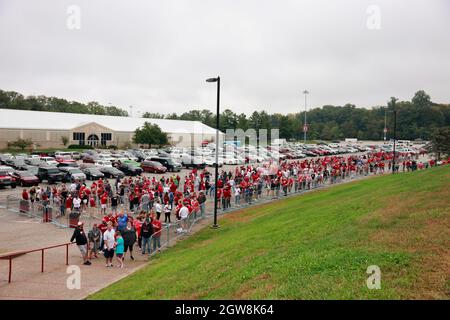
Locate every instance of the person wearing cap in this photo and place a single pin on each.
(94, 236)
(146, 233)
(81, 240)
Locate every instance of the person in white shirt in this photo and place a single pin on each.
(76, 203)
(73, 187)
(237, 196)
(184, 213)
(109, 242)
(167, 211)
(158, 209)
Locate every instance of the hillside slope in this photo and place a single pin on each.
(315, 246)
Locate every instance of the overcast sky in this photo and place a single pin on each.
(156, 54)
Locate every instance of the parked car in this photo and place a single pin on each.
(75, 155)
(49, 161)
(129, 169)
(93, 173)
(103, 163)
(51, 174)
(89, 159)
(153, 167)
(25, 178)
(72, 174)
(34, 162)
(168, 163)
(65, 164)
(111, 172)
(7, 169)
(61, 156)
(31, 169)
(6, 179)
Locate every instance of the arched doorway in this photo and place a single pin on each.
(92, 140)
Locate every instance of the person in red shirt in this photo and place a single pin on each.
(69, 203)
(110, 218)
(103, 202)
(91, 202)
(25, 195)
(156, 233)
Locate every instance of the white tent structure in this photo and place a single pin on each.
(45, 129)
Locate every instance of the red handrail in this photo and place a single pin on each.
(11, 255)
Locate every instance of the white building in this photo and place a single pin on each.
(46, 129)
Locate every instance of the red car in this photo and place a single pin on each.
(153, 166)
(6, 179)
(25, 178)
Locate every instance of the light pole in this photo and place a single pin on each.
(385, 129)
(305, 126)
(393, 100)
(216, 165)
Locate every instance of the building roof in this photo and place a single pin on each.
(24, 119)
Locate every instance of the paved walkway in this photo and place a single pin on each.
(28, 282)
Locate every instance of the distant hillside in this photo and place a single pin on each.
(14, 100)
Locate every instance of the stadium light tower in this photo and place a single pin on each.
(305, 125)
(216, 165)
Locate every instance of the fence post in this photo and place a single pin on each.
(42, 261)
(168, 234)
(10, 269)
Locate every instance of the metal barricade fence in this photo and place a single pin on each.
(37, 210)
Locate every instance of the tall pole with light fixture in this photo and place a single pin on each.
(305, 126)
(394, 109)
(216, 165)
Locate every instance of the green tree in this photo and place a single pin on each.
(21, 144)
(153, 115)
(150, 134)
(64, 140)
(440, 142)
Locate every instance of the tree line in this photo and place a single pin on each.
(14, 100)
(415, 119)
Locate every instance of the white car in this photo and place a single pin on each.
(7, 169)
(211, 161)
(49, 161)
(103, 163)
(229, 160)
(106, 157)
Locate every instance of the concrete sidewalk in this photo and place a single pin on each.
(19, 233)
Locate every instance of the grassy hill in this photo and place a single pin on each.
(315, 246)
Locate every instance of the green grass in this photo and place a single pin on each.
(315, 246)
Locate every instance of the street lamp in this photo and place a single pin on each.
(393, 100)
(305, 126)
(216, 165)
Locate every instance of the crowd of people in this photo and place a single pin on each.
(132, 208)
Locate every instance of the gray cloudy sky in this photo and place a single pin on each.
(156, 54)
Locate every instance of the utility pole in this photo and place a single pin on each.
(305, 125)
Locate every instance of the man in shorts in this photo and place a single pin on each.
(108, 244)
(81, 240)
(94, 236)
